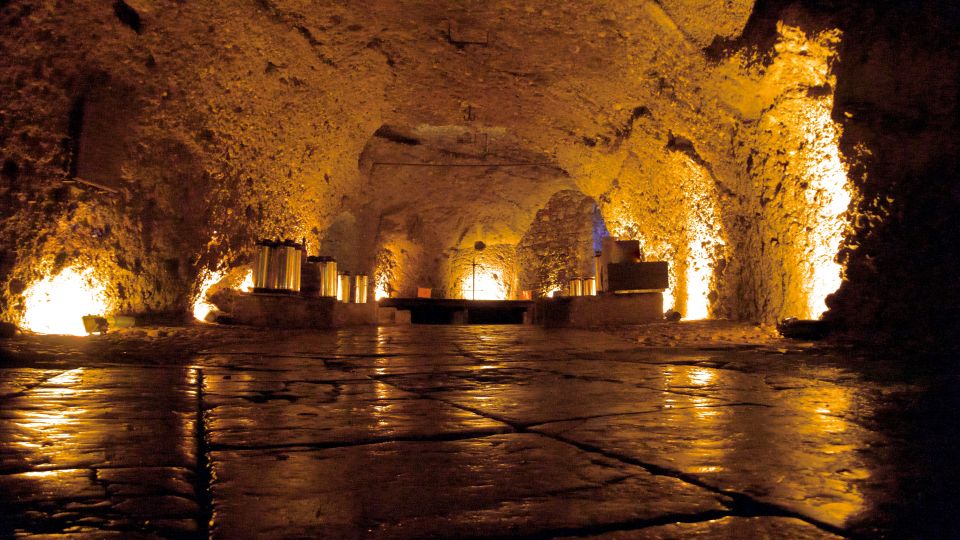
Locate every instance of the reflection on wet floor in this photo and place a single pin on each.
(466, 431)
(91, 450)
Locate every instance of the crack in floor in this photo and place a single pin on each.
(32, 386)
(204, 472)
(624, 526)
(368, 441)
(638, 413)
(743, 505)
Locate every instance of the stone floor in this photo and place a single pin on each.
(413, 432)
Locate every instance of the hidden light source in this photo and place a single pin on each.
(382, 289)
(704, 241)
(57, 304)
(201, 307)
(247, 284)
(488, 286)
(830, 193)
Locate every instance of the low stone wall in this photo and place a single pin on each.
(288, 311)
(588, 311)
(389, 316)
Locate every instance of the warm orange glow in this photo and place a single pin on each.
(703, 241)
(52, 422)
(488, 286)
(669, 302)
(698, 286)
(247, 284)
(801, 126)
(692, 263)
(829, 192)
(699, 376)
(56, 305)
(382, 289)
(201, 307)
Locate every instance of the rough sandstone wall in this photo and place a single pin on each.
(236, 132)
(496, 273)
(559, 244)
(793, 178)
(897, 98)
(137, 237)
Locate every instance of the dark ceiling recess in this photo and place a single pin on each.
(101, 122)
(391, 134)
(460, 34)
(127, 15)
(10, 171)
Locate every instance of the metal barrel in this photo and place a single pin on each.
(282, 267)
(576, 287)
(273, 267)
(590, 286)
(311, 277)
(261, 264)
(328, 278)
(360, 289)
(294, 263)
(297, 273)
(344, 292)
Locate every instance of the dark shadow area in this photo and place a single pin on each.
(431, 315)
(457, 311)
(495, 315)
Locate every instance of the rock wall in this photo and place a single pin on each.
(897, 98)
(793, 186)
(236, 134)
(493, 278)
(559, 245)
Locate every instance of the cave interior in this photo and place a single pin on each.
(786, 158)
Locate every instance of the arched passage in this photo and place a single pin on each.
(434, 193)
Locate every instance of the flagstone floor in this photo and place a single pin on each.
(472, 431)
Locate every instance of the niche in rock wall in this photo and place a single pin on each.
(103, 121)
(341, 241)
(484, 272)
(560, 243)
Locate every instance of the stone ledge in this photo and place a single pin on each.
(290, 311)
(611, 309)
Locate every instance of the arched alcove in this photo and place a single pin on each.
(560, 243)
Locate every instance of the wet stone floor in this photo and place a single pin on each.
(479, 431)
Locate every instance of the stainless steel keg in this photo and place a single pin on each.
(360, 282)
(590, 286)
(274, 280)
(261, 264)
(344, 294)
(329, 277)
(576, 287)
